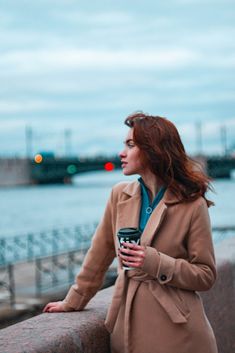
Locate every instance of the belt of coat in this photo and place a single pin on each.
(160, 293)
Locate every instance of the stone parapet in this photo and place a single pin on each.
(73, 332)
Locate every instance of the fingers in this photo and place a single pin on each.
(53, 307)
(133, 264)
(133, 246)
(132, 255)
(47, 307)
(136, 258)
(133, 250)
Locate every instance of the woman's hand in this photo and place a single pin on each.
(132, 255)
(54, 307)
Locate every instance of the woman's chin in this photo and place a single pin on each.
(126, 172)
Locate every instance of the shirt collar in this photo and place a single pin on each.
(145, 194)
(133, 188)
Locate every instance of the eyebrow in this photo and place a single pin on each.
(129, 140)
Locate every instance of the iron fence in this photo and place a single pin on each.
(28, 247)
(55, 255)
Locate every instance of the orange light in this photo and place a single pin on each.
(38, 158)
(109, 166)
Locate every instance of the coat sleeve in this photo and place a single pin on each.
(97, 260)
(198, 272)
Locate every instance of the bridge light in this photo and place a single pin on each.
(109, 166)
(71, 169)
(38, 158)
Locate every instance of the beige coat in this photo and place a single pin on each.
(155, 309)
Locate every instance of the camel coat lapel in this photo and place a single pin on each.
(129, 212)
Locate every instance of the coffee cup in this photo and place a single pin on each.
(128, 235)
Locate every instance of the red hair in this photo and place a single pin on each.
(162, 151)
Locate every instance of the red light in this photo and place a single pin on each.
(109, 166)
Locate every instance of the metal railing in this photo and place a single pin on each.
(28, 247)
(56, 256)
(31, 246)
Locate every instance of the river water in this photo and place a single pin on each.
(38, 208)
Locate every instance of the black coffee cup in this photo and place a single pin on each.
(128, 235)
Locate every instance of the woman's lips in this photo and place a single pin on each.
(124, 164)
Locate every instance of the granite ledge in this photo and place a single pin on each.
(73, 332)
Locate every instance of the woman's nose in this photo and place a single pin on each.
(122, 154)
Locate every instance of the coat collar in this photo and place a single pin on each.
(129, 211)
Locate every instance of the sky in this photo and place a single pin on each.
(78, 68)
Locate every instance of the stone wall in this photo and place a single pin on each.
(74, 332)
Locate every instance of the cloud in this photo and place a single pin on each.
(203, 2)
(69, 59)
(9, 125)
(66, 61)
(112, 18)
(12, 106)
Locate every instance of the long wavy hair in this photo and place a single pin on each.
(162, 151)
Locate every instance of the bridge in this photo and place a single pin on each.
(220, 167)
(49, 169)
(61, 170)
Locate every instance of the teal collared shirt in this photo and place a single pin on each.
(146, 206)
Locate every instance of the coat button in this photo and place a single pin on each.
(149, 210)
(163, 277)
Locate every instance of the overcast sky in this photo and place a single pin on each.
(83, 66)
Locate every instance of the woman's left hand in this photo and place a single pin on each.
(132, 255)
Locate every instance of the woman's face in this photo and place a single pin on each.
(130, 156)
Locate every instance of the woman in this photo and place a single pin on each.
(155, 307)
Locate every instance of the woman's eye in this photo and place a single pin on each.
(130, 145)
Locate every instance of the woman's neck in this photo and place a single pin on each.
(152, 183)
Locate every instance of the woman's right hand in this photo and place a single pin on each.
(54, 307)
